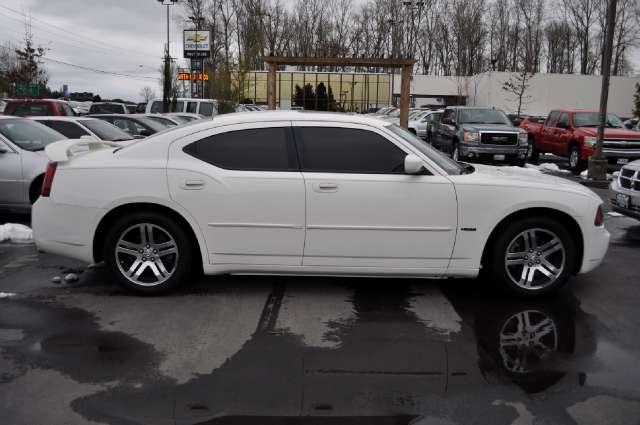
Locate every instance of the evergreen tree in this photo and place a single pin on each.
(323, 98)
(298, 97)
(309, 98)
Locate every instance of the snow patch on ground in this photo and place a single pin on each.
(546, 166)
(524, 415)
(603, 409)
(435, 311)
(6, 295)
(16, 233)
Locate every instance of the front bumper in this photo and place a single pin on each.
(633, 210)
(487, 152)
(596, 244)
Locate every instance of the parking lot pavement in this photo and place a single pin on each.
(275, 350)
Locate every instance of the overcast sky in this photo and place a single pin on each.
(120, 36)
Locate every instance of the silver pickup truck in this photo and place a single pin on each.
(480, 134)
(624, 192)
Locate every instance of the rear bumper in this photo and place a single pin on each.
(65, 230)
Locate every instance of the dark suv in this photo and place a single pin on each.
(480, 134)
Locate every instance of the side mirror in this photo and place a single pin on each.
(413, 164)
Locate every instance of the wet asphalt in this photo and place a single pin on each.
(293, 350)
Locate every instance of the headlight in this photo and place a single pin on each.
(523, 139)
(590, 141)
(471, 136)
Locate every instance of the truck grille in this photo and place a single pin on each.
(621, 144)
(501, 139)
(629, 179)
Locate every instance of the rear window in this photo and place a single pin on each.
(206, 109)
(105, 130)
(156, 107)
(29, 109)
(106, 109)
(69, 129)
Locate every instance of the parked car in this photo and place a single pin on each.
(631, 123)
(141, 108)
(3, 103)
(22, 161)
(624, 191)
(247, 108)
(137, 126)
(184, 117)
(422, 124)
(131, 109)
(164, 120)
(38, 107)
(108, 108)
(77, 127)
(571, 133)
(205, 107)
(316, 193)
(480, 134)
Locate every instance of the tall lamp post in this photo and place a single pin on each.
(167, 58)
(597, 162)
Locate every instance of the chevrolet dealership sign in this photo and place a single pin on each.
(196, 44)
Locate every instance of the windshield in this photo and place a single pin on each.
(29, 135)
(105, 130)
(483, 116)
(162, 120)
(107, 109)
(592, 119)
(447, 164)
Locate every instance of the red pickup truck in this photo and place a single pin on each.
(571, 133)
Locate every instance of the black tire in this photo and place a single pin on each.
(534, 156)
(579, 165)
(454, 150)
(498, 253)
(182, 264)
(35, 189)
(413, 130)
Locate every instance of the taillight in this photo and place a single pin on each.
(599, 216)
(48, 179)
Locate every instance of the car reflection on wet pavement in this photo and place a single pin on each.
(275, 350)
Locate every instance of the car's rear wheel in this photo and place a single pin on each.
(148, 253)
(533, 256)
(576, 163)
(533, 154)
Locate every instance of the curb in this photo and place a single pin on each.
(601, 184)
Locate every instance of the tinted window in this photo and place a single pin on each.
(107, 109)
(483, 116)
(206, 109)
(156, 107)
(162, 121)
(69, 129)
(192, 107)
(553, 117)
(592, 119)
(30, 110)
(65, 110)
(105, 130)
(263, 149)
(563, 122)
(348, 150)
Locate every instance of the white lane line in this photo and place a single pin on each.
(312, 313)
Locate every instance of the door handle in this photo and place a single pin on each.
(193, 184)
(326, 187)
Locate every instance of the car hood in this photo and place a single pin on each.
(622, 133)
(490, 127)
(526, 178)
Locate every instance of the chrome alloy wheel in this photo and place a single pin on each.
(527, 338)
(574, 158)
(535, 259)
(146, 254)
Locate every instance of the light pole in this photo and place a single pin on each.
(167, 84)
(597, 162)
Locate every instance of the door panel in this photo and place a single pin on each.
(367, 218)
(11, 181)
(247, 217)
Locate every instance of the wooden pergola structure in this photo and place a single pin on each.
(405, 84)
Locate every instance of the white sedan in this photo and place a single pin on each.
(295, 193)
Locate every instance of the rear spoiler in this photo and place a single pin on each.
(63, 150)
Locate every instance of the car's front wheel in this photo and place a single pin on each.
(533, 256)
(148, 252)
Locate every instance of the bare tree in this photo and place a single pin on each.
(147, 93)
(518, 87)
(582, 15)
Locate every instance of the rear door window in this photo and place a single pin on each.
(347, 150)
(206, 109)
(156, 107)
(70, 130)
(260, 149)
(192, 107)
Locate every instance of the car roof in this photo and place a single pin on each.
(58, 118)
(294, 115)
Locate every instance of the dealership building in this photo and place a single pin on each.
(359, 91)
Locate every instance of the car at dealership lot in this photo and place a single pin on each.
(22, 161)
(163, 119)
(423, 123)
(137, 126)
(108, 108)
(78, 127)
(204, 107)
(480, 134)
(624, 193)
(286, 192)
(571, 133)
(184, 117)
(38, 107)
